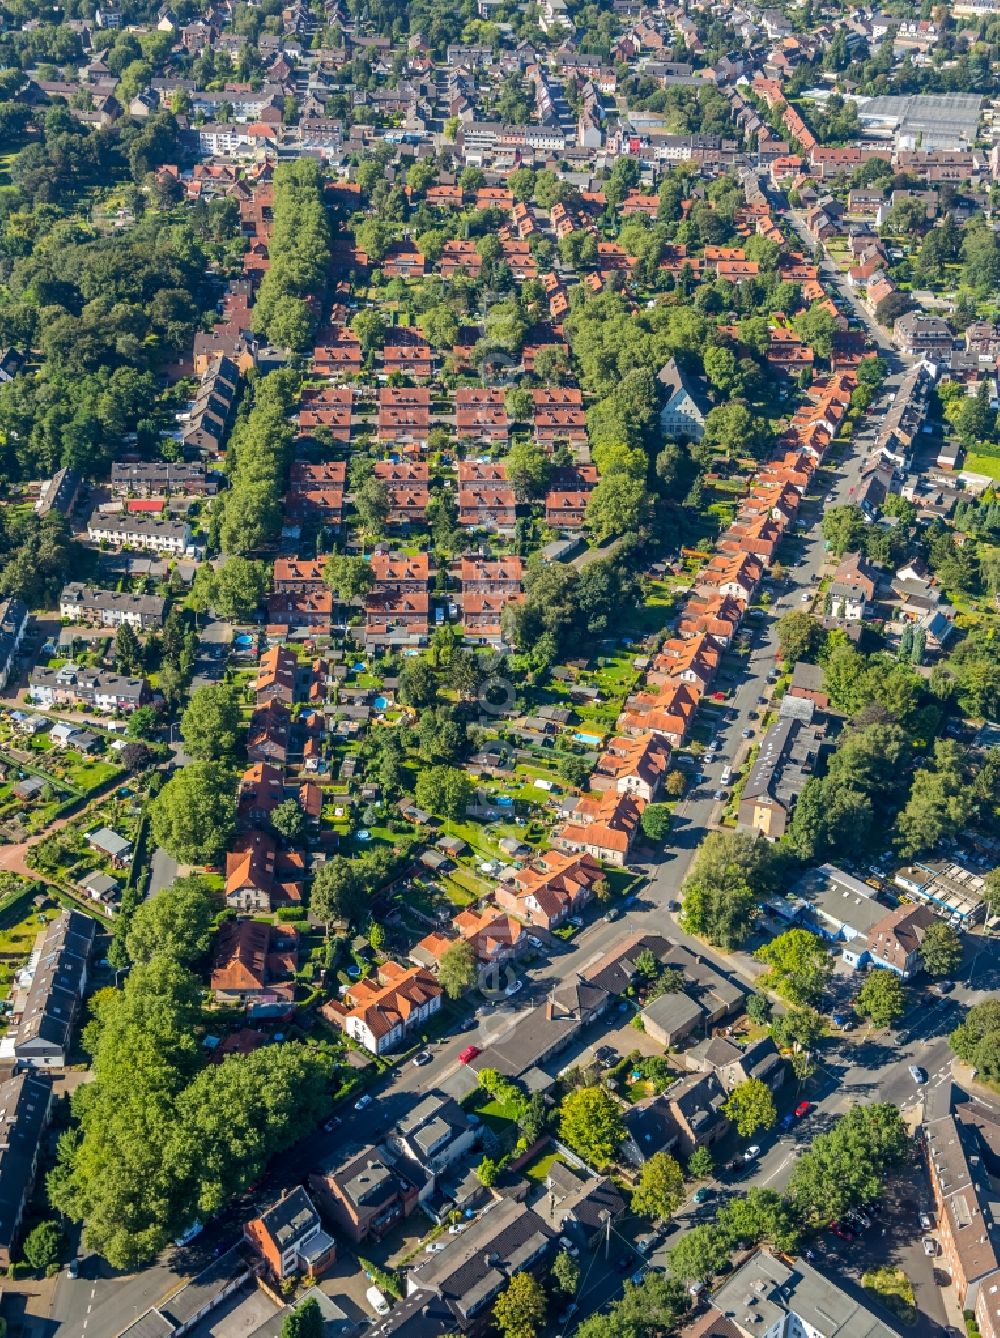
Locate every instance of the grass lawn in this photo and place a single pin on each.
(983, 464)
(16, 941)
(91, 775)
(454, 889)
(620, 881)
(497, 1116)
(894, 1289)
(538, 1169)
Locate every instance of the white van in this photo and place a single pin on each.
(727, 775)
(377, 1301)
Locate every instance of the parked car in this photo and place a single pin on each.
(192, 1233)
(926, 1222)
(787, 1121)
(803, 1108)
(469, 1054)
(751, 1153)
(700, 1195)
(332, 1123)
(844, 1232)
(613, 914)
(363, 1102)
(930, 1246)
(918, 1074)
(422, 1058)
(513, 988)
(377, 1301)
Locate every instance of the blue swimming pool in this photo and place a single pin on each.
(358, 668)
(504, 801)
(244, 640)
(587, 738)
(380, 703)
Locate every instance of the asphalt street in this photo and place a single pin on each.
(102, 1303)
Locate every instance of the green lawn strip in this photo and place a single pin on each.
(983, 464)
(894, 1289)
(538, 1168)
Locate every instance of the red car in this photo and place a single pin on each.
(843, 1232)
(803, 1108)
(469, 1054)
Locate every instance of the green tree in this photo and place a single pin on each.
(590, 1121)
(700, 1164)
(445, 791)
(143, 723)
(305, 1321)
(417, 682)
(618, 505)
(991, 891)
(800, 637)
(660, 1188)
(653, 1307)
(759, 1215)
(977, 1039)
(529, 468)
(369, 327)
(730, 428)
(758, 1009)
(797, 1027)
(939, 805)
(43, 1245)
(881, 998)
(194, 815)
(373, 504)
(519, 1311)
(729, 873)
(800, 965)
(337, 890)
(289, 821)
(700, 1253)
(845, 1166)
(128, 652)
(816, 326)
(656, 821)
(751, 1106)
(843, 529)
(211, 725)
(238, 588)
(177, 922)
(723, 371)
(566, 1273)
(457, 969)
(941, 949)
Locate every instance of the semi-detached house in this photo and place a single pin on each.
(380, 1013)
(69, 685)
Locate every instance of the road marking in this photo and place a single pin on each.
(778, 1169)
